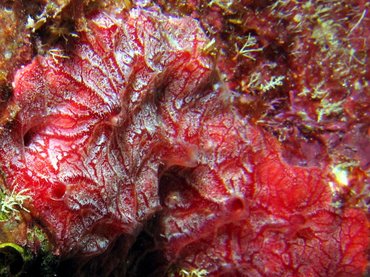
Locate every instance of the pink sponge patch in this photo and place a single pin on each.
(134, 104)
